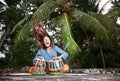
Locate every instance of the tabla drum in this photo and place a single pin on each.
(40, 66)
(55, 64)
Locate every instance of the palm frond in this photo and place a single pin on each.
(67, 39)
(90, 23)
(18, 25)
(23, 34)
(113, 12)
(107, 22)
(42, 12)
(45, 10)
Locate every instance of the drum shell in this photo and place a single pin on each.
(55, 65)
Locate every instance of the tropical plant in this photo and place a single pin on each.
(65, 14)
(87, 5)
(114, 12)
(97, 49)
(13, 12)
(114, 15)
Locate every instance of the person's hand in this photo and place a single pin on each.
(34, 63)
(58, 58)
(40, 58)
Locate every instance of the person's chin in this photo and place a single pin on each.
(47, 46)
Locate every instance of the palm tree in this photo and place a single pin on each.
(114, 12)
(65, 14)
(87, 5)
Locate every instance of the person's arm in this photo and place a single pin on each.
(61, 52)
(37, 55)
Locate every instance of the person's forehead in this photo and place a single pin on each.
(46, 37)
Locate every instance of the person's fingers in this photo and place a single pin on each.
(58, 58)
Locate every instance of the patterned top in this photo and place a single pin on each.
(54, 52)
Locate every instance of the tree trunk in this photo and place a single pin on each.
(103, 59)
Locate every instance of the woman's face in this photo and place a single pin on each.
(46, 41)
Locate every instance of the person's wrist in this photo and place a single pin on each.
(60, 57)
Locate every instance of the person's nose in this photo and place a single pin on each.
(46, 41)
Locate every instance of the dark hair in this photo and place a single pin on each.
(39, 33)
(51, 42)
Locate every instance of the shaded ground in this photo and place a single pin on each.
(61, 78)
(112, 74)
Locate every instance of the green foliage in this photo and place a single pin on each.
(12, 2)
(68, 42)
(18, 25)
(87, 5)
(90, 23)
(24, 34)
(41, 13)
(12, 15)
(112, 57)
(21, 55)
(44, 10)
(4, 62)
(37, 2)
(88, 59)
(75, 62)
(114, 12)
(110, 25)
(76, 29)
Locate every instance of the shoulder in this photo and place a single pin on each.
(41, 49)
(55, 47)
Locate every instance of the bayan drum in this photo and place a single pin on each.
(40, 66)
(56, 64)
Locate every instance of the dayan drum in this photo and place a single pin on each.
(55, 64)
(40, 65)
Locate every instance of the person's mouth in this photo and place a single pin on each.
(47, 43)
